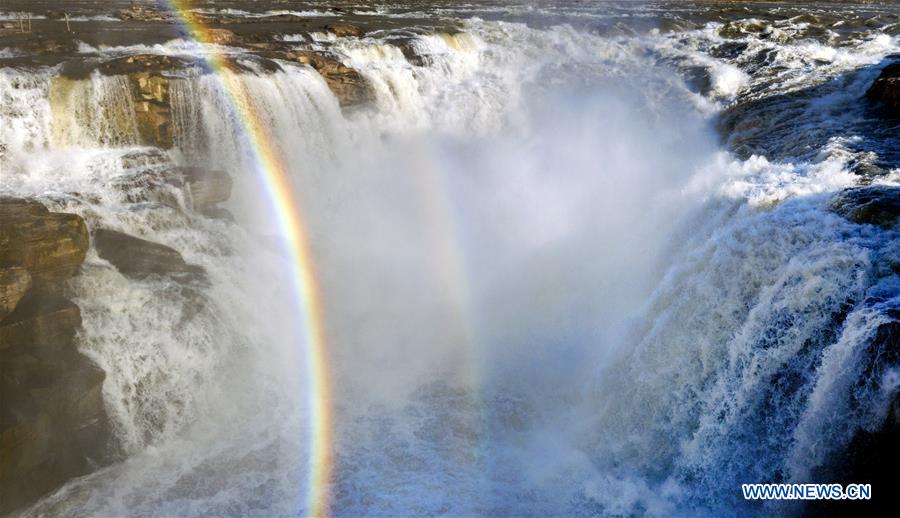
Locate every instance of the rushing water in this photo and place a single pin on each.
(580, 261)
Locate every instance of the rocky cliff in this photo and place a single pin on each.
(52, 420)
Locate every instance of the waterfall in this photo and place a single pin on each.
(547, 288)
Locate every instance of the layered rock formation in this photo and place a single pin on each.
(53, 425)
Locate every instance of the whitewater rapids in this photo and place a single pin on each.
(550, 286)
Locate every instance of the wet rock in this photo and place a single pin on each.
(739, 29)
(150, 185)
(872, 455)
(52, 421)
(154, 64)
(867, 171)
(143, 14)
(53, 425)
(41, 322)
(14, 283)
(152, 112)
(208, 187)
(50, 245)
(886, 89)
(343, 30)
(46, 46)
(874, 205)
(218, 213)
(138, 258)
(348, 85)
(220, 36)
(150, 77)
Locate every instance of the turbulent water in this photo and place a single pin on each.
(577, 261)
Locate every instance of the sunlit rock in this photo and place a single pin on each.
(343, 30)
(50, 245)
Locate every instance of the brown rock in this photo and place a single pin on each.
(348, 85)
(136, 257)
(52, 427)
(143, 14)
(40, 321)
(154, 64)
(14, 282)
(220, 36)
(343, 30)
(150, 84)
(52, 421)
(51, 246)
(886, 89)
(53, 424)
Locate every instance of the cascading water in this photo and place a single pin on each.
(547, 288)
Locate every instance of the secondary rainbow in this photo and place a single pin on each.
(290, 220)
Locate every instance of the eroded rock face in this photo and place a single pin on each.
(874, 205)
(53, 425)
(886, 89)
(49, 245)
(138, 258)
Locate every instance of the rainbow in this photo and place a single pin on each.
(274, 176)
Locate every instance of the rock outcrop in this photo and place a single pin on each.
(343, 30)
(221, 36)
(150, 92)
(49, 245)
(348, 85)
(53, 425)
(874, 205)
(138, 258)
(886, 89)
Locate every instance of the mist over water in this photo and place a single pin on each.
(549, 288)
